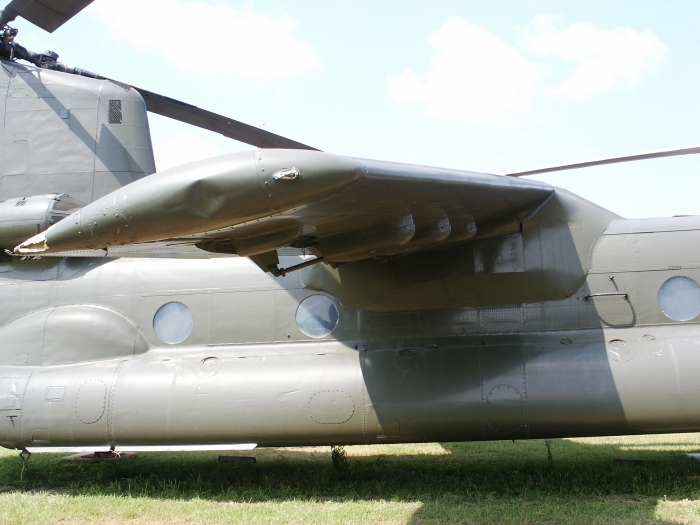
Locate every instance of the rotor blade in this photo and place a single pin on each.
(47, 14)
(630, 158)
(202, 118)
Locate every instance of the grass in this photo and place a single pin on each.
(497, 482)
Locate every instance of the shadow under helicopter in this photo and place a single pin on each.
(484, 387)
(470, 482)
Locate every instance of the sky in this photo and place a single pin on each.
(494, 86)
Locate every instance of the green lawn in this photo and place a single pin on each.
(499, 482)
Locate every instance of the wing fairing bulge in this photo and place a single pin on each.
(342, 209)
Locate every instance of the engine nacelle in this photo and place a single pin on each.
(22, 218)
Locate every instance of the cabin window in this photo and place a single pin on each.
(679, 298)
(173, 323)
(317, 316)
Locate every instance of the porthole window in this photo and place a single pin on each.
(679, 298)
(317, 316)
(173, 323)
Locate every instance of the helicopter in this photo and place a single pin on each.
(288, 296)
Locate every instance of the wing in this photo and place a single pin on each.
(339, 208)
(47, 14)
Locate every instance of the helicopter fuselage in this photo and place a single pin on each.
(82, 364)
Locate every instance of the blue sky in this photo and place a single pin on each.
(497, 86)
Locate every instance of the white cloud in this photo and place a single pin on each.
(189, 33)
(477, 78)
(604, 59)
(474, 76)
(182, 148)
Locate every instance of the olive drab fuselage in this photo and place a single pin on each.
(82, 365)
(449, 306)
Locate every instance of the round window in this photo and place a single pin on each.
(173, 323)
(679, 298)
(317, 316)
